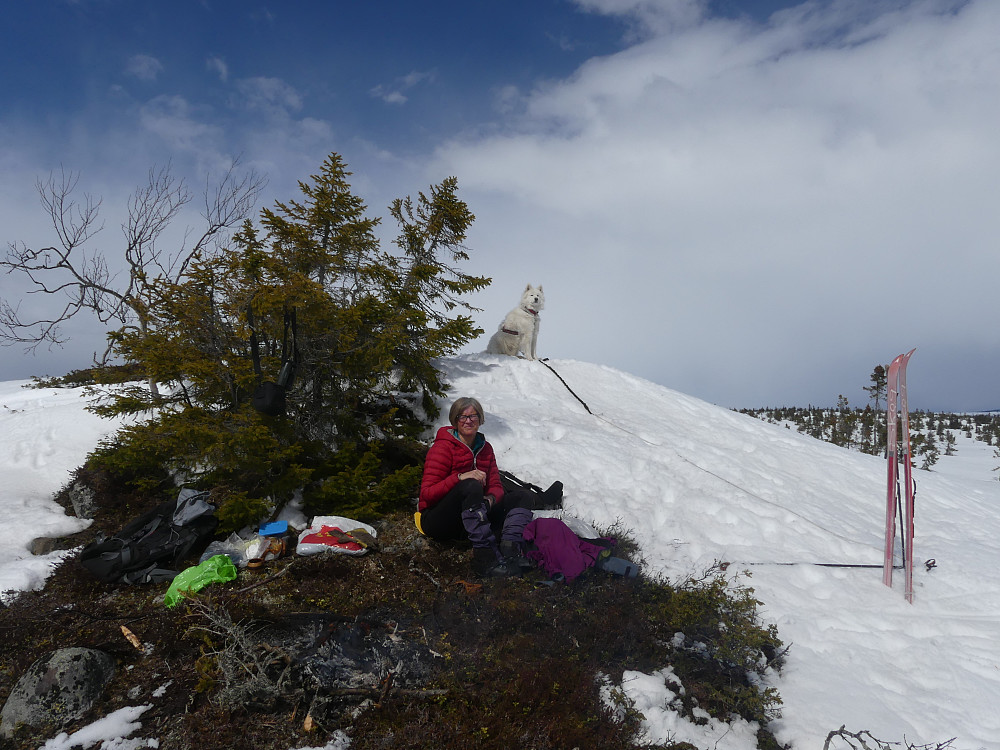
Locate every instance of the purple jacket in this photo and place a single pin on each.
(559, 549)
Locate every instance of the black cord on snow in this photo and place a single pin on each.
(928, 564)
(552, 369)
(816, 564)
(744, 490)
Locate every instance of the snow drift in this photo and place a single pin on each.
(697, 484)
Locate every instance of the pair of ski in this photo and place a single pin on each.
(898, 452)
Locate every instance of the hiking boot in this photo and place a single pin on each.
(552, 498)
(513, 555)
(500, 570)
(485, 564)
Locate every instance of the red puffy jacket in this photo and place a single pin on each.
(447, 458)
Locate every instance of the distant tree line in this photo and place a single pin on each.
(932, 434)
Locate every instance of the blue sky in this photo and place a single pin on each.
(751, 202)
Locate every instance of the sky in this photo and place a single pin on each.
(752, 202)
(695, 484)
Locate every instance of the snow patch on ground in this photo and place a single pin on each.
(696, 484)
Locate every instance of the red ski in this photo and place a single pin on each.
(897, 407)
(892, 382)
(907, 519)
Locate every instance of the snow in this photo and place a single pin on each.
(113, 731)
(697, 484)
(46, 434)
(656, 697)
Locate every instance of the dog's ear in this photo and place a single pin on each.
(540, 288)
(527, 288)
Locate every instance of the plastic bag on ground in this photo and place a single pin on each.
(336, 534)
(578, 526)
(233, 546)
(218, 569)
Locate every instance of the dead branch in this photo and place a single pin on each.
(394, 692)
(261, 582)
(415, 569)
(119, 288)
(863, 737)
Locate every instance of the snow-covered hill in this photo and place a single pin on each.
(699, 484)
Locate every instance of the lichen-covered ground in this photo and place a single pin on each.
(399, 648)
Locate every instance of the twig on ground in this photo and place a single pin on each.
(424, 573)
(261, 582)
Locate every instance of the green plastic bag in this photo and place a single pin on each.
(218, 569)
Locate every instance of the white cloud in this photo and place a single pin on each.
(754, 191)
(651, 16)
(394, 93)
(388, 96)
(218, 66)
(562, 41)
(144, 67)
(804, 197)
(271, 95)
(175, 121)
(508, 99)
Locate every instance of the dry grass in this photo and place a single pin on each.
(515, 662)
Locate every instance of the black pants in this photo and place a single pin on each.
(443, 521)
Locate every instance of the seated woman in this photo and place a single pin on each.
(461, 495)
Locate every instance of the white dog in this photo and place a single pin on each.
(519, 330)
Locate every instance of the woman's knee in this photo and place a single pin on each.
(518, 499)
(470, 492)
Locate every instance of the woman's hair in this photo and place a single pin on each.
(460, 405)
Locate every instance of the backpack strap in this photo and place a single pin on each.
(520, 482)
(152, 574)
(289, 354)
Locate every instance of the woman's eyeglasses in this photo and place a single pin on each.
(468, 417)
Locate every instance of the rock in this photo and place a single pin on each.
(57, 689)
(83, 498)
(43, 545)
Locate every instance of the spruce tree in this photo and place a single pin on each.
(432, 235)
(368, 327)
(877, 390)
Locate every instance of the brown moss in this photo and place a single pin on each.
(519, 660)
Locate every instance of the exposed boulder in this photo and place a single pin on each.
(83, 499)
(57, 689)
(42, 545)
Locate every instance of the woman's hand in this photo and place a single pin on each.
(476, 474)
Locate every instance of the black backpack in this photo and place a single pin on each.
(269, 397)
(538, 499)
(149, 547)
